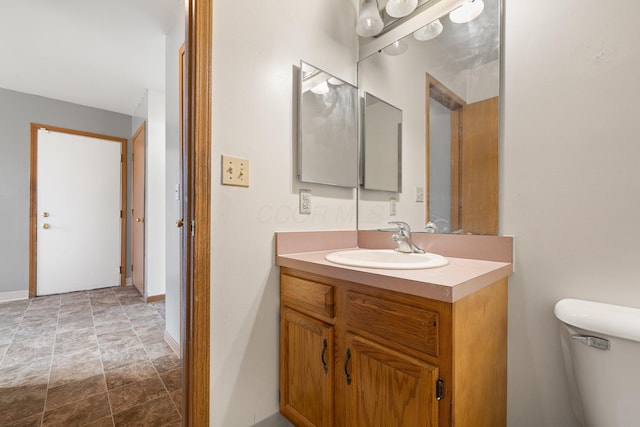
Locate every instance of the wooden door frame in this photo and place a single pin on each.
(446, 97)
(196, 249)
(33, 198)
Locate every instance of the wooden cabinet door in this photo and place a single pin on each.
(386, 388)
(306, 369)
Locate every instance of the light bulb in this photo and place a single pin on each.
(400, 8)
(429, 31)
(467, 12)
(321, 88)
(396, 48)
(369, 20)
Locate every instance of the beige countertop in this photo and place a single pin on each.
(461, 277)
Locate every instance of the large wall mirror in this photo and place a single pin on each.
(445, 79)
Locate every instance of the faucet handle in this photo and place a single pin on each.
(402, 226)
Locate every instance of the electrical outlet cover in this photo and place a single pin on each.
(305, 202)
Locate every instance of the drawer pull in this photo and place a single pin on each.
(439, 389)
(346, 367)
(324, 352)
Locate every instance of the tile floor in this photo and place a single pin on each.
(92, 358)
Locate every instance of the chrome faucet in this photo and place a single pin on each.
(403, 239)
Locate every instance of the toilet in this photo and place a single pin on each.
(601, 349)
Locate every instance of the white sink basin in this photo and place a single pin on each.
(386, 259)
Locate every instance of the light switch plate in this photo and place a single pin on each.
(419, 194)
(235, 171)
(392, 206)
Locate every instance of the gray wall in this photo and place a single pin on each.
(440, 166)
(17, 112)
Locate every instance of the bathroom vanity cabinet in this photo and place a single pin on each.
(357, 355)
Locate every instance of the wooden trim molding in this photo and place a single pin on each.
(155, 298)
(197, 211)
(33, 199)
(443, 94)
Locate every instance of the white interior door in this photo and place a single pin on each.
(79, 203)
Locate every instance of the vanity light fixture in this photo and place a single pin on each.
(400, 8)
(369, 20)
(469, 11)
(429, 31)
(396, 48)
(321, 88)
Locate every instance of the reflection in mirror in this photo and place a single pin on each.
(447, 87)
(381, 145)
(328, 129)
(463, 162)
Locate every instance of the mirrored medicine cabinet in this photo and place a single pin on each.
(327, 128)
(381, 145)
(341, 144)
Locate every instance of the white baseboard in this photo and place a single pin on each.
(173, 344)
(13, 296)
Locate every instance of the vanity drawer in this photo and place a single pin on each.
(409, 326)
(308, 295)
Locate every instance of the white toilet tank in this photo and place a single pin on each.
(601, 348)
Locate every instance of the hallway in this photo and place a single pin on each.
(94, 358)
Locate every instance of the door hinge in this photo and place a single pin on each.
(132, 267)
(439, 389)
(193, 228)
(121, 158)
(120, 269)
(121, 213)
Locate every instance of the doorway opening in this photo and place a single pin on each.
(470, 189)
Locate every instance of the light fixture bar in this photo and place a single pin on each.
(423, 15)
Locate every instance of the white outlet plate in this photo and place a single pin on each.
(419, 194)
(235, 171)
(305, 202)
(392, 207)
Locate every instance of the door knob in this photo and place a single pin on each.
(179, 223)
(139, 219)
(45, 226)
